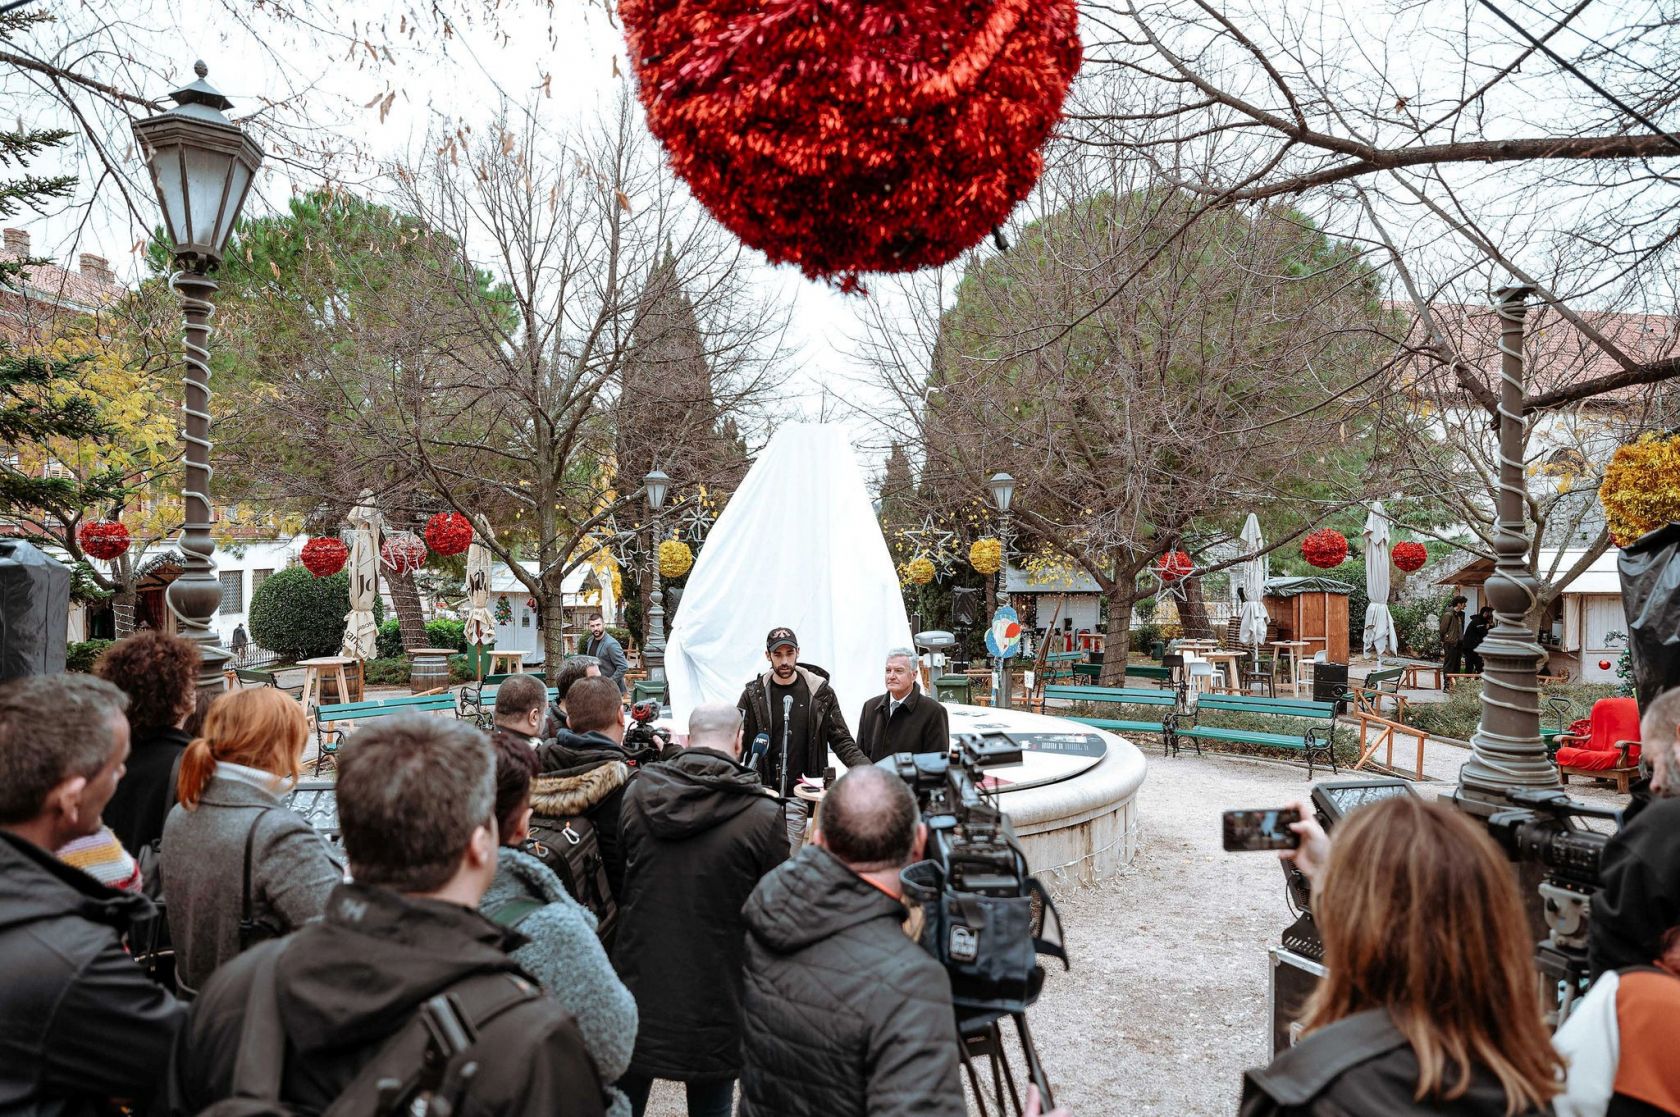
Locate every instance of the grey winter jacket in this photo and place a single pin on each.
(567, 957)
(845, 1016)
(202, 862)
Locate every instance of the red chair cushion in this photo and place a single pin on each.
(1593, 760)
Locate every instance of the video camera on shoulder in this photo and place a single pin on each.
(643, 740)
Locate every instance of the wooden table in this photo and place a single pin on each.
(1410, 679)
(1229, 659)
(1289, 651)
(507, 663)
(332, 665)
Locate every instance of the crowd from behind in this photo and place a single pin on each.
(714, 940)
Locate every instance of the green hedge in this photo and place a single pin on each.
(299, 616)
(80, 656)
(1458, 716)
(440, 633)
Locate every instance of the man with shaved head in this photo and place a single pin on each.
(846, 1015)
(699, 831)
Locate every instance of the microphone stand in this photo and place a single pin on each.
(787, 726)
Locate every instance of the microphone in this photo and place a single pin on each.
(787, 727)
(760, 746)
(787, 708)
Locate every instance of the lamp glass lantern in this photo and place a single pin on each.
(658, 484)
(1003, 490)
(202, 166)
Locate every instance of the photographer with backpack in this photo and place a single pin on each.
(563, 952)
(313, 1022)
(581, 774)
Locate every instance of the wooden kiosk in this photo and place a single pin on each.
(1313, 610)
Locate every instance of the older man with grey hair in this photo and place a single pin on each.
(903, 719)
(1639, 898)
(699, 831)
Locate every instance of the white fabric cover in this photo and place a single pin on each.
(1379, 623)
(797, 545)
(480, 626)
(361, 631)
(1590, 1040)
(1252, 626)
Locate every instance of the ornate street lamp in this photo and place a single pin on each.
(1003, 494)
(657, 485)
(202, 166)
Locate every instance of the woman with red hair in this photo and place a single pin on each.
(238, 866)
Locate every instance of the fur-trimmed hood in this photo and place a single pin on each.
(815, 678)
(574, 793)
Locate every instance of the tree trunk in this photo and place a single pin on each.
(1193, 615)
(405, 596)
(551, 610)
(1118, 642)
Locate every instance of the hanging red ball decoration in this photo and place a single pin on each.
(449, 533)
(1174, 565)
(324, 556)
(403, 553)
(1409, 556)
(1604, 665)
(851, 136)
(103, 539)
(1325, 548)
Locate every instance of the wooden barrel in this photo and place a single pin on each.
(352, 681)
(430, 669)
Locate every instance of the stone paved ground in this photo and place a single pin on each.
(1166, 1002)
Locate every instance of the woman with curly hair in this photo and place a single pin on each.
(1431, 1004)
(159, 673)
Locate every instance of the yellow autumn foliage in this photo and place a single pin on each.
(1641, 487)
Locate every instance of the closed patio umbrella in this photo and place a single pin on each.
(480, 627)
(1251, 628)
(361, 631)
(1379, 623)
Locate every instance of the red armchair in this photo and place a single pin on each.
(1610, 750)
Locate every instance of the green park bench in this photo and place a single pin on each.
(1160, 707)
(252, 676)
(1368, 695)
(1061, 665)
(328, 718)
(1316, 740)
(477, 699)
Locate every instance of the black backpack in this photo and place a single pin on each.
(570, 847)
(394, 1079)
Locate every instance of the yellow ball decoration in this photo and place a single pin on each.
(1641, 487)
(986, 555)
(675, 558)
(921, 570)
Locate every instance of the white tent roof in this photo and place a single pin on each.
(573, 585)
(1600, 577)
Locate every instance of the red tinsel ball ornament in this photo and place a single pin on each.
(1325, 548)
(403, 552)
(1409, 556)
(851, 136)
(1604, 665)
(1174, 565)
(324, 556)
(103, 539)
(531, 603)
(449, 533)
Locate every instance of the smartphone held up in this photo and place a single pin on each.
(1261, 829)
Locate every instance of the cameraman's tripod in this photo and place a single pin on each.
(982, 1038)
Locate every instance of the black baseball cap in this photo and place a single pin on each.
(780, 638)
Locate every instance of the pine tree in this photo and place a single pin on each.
(19, 147)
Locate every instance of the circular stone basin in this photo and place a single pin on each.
(1073, 797)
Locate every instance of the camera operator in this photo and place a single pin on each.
(575, 668)
(80, 1023)
(1639, 897)
(700, 832)
(844, 1014)
(583, 771)
(1430, 1003)
(417, 806)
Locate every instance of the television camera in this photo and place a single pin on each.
(985, 916)
(645, 741)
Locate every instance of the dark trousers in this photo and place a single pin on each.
(1472, 663)
(1452, 662)
(712, 1098)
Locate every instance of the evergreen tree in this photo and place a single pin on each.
(19, 147)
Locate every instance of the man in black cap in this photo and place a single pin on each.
(793, 703)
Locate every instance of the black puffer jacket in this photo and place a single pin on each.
(80, 1023)
(700, 831)
(348, 982)
(585, 774)
(1356, 1066)
(825, 729)
(1640, 895)
(844, 1015)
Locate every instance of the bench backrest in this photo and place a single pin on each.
(1282, 707)
(1063, 657)
(497, 680)
(414, 704)
(255, 675)
(1148, 671)
(1119, 695)
(1388, 679)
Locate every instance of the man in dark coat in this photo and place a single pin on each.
(700, 831)
(1452, 639)
(576, 667)
(416, 803)
(80, 1023)
(521, 708)
(793, 703)
(1474, 633)
(584, 769)
(903, 719)
(607, 652)
(845, 1015)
